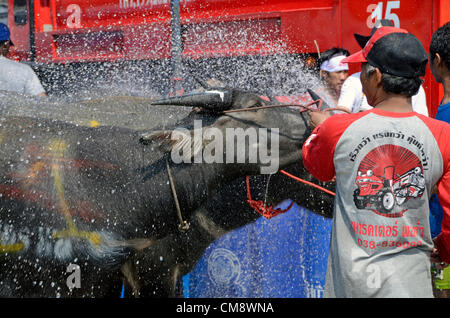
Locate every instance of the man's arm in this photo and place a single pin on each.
(318, 151)
(443, 239)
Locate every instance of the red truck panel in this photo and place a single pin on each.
(140, 29)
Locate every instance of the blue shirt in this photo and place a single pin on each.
(436, 211)
(443, 113)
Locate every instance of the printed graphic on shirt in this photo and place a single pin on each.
(389, 181)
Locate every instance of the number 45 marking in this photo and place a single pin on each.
(376, 13)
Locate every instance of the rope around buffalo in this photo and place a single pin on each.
(306, 107)
(183, 226)
(259, 206)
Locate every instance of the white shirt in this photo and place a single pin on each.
(19, 77)
(353, 98)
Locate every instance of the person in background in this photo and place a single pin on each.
(386, 161)
(439, 58)
(332, 73)
(15, 76)
(352, 97)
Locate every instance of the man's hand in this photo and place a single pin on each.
(434, 258)
(317, 117)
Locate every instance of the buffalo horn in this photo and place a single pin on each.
(214, 99)
(314, 96)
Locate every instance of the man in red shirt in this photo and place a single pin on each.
(386, 161)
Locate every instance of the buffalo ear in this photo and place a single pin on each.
(171, 140)
(178, 141)
(155, 136)
(160, 138)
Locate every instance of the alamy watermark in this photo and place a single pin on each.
(74, 279)
(210, 145)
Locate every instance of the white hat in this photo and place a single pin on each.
(334, 64)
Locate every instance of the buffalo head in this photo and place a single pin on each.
(262, 140)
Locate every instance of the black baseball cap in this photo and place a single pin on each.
(363, 39)
(394, 51)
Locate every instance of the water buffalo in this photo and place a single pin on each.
(74, 198)
(175, 255)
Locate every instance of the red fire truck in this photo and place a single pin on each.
(58, 32)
